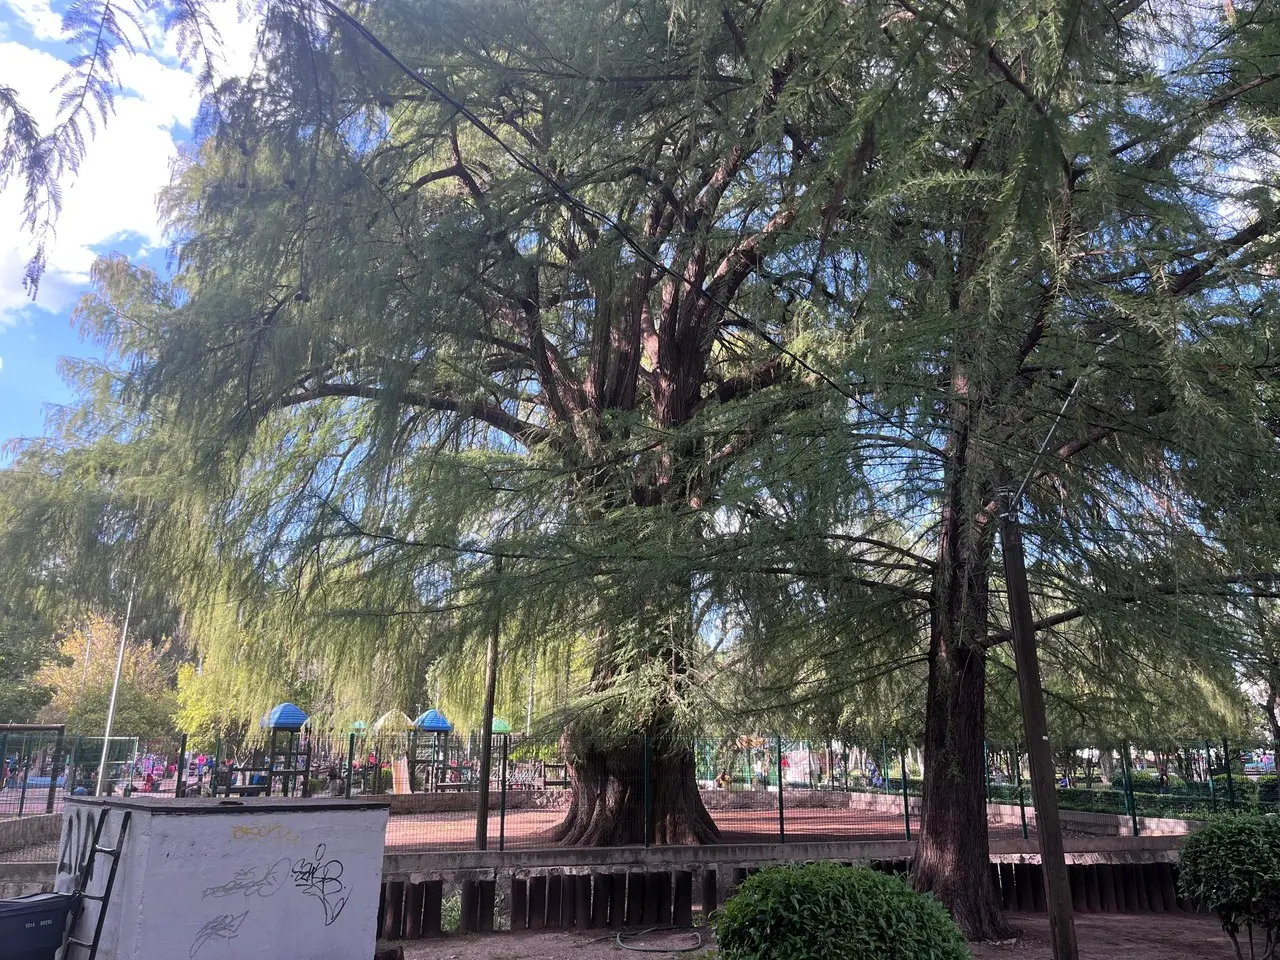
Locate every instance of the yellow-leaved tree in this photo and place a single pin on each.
(81, 682)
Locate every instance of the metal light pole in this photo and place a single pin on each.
(115, 689)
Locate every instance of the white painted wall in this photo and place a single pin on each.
(203, 881)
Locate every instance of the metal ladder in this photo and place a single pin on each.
(86, 877)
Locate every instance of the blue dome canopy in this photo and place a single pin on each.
(433, 721)
(285, 716)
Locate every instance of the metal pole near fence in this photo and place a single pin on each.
(217, 762)
(1275, 768)
(1017, 779)
(1208, 771)
(351, 764)
(26, 773)
(1231, 784)
(986, 769)
(1131, 802)
(906, 795)
(179, 786)
(54, 762)
(782, 815)
(648, 788)
(74, 773)
(502, 808)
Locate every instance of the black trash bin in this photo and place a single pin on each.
(32, 928)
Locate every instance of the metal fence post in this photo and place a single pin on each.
(5, 770)
(54, 762)
(180, 783)
(1275, 768)
(75, 768)
(413, 762)
(26, 772)
(986, 769)
(906, 794)
(782, 815)
(1208, 771)
(217, 762)
(884, 762)
(502, 808)
(351, 764)
(1231, 784)
(1131, 802)
(648, 788)
(1016, 764)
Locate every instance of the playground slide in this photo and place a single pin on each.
(400, 775)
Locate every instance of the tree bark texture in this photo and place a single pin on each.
(608, 805)
(952, 858)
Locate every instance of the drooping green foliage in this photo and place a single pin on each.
(722, 327)
(26, 644)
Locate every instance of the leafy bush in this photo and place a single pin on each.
(1232, 867)
(1246, 790)
(824, 911)
(1144, 781)
(1268, 792)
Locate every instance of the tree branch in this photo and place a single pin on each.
(527, 433)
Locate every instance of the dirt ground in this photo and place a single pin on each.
(527, 829)
(1102, 937)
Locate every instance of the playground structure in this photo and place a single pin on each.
(286, 762)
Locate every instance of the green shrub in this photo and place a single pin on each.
(1268, 792)
(1232, 867)
(1245, 790)
(824, 911)
(1142, 782)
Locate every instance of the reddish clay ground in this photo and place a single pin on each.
(1102, 937)
(526, 829)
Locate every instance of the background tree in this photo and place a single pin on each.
(81, 683)
(26, 644)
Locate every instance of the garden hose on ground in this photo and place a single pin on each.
(623, 939)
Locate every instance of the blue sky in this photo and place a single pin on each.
(109, 206)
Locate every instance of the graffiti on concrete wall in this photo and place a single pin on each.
(321, 877)
(75, 847)
(318, 876)
(225, 926)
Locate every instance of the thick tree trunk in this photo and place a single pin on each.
(608, 805)
(953, 856)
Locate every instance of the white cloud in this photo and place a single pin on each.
(113, 194)
(38, 17)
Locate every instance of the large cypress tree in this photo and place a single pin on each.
(619, 292)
